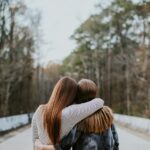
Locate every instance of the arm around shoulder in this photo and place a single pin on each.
(76, 113)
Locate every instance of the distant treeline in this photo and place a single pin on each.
(113, 49)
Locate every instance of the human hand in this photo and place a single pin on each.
(40, 146)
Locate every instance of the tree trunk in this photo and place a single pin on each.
(97, 73)
(5, 107)
(109, 76)
(127, 86)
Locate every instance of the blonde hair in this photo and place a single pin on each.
(98, 122)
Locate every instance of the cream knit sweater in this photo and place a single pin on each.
(71, 115)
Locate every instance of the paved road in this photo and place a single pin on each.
(131, 141)
(22, 141)
(128, 141)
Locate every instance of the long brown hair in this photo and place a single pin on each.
(63, 95)
(100, 120)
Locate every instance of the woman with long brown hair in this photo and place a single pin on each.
(52, 121)
(96, 132)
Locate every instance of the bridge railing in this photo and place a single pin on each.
(136, 123)
(13, 122)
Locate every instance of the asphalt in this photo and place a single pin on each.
(129, 140)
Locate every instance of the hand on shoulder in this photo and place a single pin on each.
(40, 146)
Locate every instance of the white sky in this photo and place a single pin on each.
(60, 18)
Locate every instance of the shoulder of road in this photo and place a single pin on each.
(13, 133)
(136, 132)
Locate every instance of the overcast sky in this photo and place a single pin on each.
(59, 20)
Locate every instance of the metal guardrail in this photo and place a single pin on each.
(136, 123)
(13, 122)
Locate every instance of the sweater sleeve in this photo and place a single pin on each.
(34, 131)
(75, 113)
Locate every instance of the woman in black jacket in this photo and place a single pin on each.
(96, 132)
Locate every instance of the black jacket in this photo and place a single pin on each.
(90, 141)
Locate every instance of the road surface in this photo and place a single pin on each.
(128, 141)
(131, 141)
(22, 141)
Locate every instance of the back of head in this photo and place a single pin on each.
(87, 90)
(99, 121)
(63, 95)
(64, 92)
